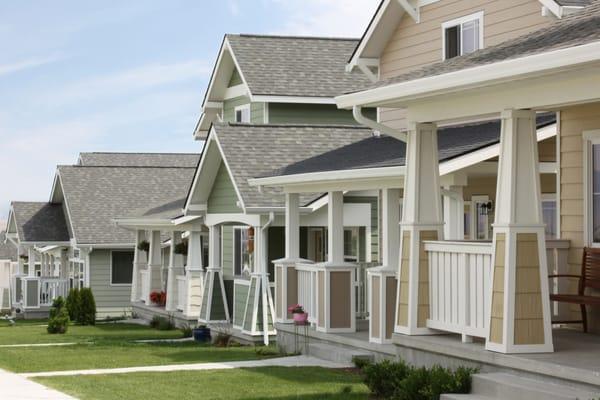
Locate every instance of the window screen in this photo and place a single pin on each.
(122, 267)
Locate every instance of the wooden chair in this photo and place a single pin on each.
(589, 278)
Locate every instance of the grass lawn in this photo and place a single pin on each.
(105, 346)
(258, 383)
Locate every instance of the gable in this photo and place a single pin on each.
(236, 78)
(223, 198)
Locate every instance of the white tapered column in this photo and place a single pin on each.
(421, 221)
(454, 210)
(154, 265)
(214, 300)
(194, 274)
(139, 263)
(175, 269)
(520, 306)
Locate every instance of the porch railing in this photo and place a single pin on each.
(307, 290)
(459, 282)
(52, 288)
(145, 285)
(181, 292)
(362, 288)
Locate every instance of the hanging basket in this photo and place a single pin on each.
(144, 245)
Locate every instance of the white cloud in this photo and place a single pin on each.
(17, 66)
(344, 18)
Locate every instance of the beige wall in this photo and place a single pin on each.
(414, 45)
(573, 122)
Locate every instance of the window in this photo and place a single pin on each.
(121, 268)
(351, 238)
(549, 215)
(592, 187)
(242, 114)
(241, 255)
(462, 36)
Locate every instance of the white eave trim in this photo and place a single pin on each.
(474, 77)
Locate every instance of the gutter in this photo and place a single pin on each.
(379, 127)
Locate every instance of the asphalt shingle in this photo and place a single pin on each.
(8, 251)
(101, 159)
(40, 222)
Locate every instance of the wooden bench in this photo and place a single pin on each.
(589, 278)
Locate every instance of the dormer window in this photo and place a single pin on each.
(242, 114)
(463, 35)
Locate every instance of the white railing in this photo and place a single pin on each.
(144, 284)
(181, 292)
(307, 290)
(51, 288)
(557, 254)
(459, 286)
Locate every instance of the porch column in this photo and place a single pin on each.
(336, 308)
(214, 301)
(454, 210)
(382, 280)
(175, 269)
(421, 221)
(31, 261)
(139, 263)
(64, 264)
(194, 273)
(520, 306)
(154, 265)
(43, 265)
(286, 277)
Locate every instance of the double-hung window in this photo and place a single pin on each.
(463, 35)
(592, 187)
(121, 268)
(242, 114)
(241, 255)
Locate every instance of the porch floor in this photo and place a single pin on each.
(576, 359)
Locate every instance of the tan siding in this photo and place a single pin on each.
(573, 122)
(414, 45)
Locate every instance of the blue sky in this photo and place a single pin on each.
(124, 75)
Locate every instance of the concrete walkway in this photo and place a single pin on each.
(295, 361)
(15, 387)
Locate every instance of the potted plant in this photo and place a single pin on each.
(298, 313)
(158, 298)
(144, 245)
(201, 333)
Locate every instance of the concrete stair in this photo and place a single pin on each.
(336, 354)
(501, 385)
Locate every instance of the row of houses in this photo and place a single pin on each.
(425, 178)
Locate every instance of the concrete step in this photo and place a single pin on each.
(337, 354)
(501, 385)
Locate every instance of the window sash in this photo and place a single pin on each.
(241, 257)
(121, 268)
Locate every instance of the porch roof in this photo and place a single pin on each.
(575, 30)
(385, 151)
(39, 222)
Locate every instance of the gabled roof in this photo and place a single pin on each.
(8, 251)
(39, 222)
(113, 159)
(385, 151)
(252, 150)
(95, 196)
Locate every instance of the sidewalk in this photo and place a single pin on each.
(295, 361)
(16, 387)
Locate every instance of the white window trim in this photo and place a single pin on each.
(460, 21)
(110, 270)
(589, 138)
(242, 108)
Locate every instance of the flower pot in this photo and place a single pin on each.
(300, 318)
(201, 335)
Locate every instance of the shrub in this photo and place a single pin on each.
(399, 381)
(73, 304)
(59, 317)
(186, 331)
(87, 307)
(267, 351)
(166, 324)
(155, 321)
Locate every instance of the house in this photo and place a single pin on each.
(71, 240)
(8, 261)
(442, 65)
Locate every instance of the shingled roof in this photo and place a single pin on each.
(576, 29)
(97, 195)
(296, 66)
(111, 159)
(385, 151)
(253, 150)
(8, 251)
(40, 222)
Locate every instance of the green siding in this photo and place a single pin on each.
(257, 113)
(229, 106)
(312, 114)
(374, 222)
(241, 295)
(250, 308)
(227, 251)
(236, 78)
(229, 295)
(223, 198)
(106, 296)
(217, 307)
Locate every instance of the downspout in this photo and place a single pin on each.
(379, 127)
(263, 277)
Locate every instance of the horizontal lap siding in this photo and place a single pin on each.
(227, 251)
(229, 106)
(223, 197)
(415, 45)
(106, 296)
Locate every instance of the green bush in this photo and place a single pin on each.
(397, 380)
(186, 331)
(162, 323)
(59, 317)
(87, 307)
(155, 321)
(73, 304)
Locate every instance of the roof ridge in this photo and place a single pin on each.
(137, 153)
(301, 37)
(125, 166)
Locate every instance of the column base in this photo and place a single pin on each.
(336, 282)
